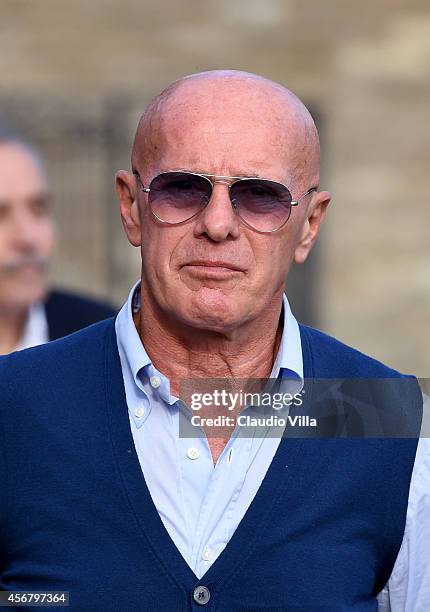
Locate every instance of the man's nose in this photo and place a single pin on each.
(24, 231)
(218, 220)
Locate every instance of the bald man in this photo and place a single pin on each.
(148, 481)
(31, 313)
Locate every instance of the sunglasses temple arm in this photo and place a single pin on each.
(295, 202)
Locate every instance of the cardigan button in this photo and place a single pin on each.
(201, 595)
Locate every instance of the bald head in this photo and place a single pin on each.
(232, 102)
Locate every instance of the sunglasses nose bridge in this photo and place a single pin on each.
(221, 181)
(229, 184)
(210, 202)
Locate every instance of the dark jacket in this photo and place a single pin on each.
(68, 312)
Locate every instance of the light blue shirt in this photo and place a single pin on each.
(201, 504)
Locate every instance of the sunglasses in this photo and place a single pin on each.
(178, 196)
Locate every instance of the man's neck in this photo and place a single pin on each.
(12, 324)
(249, 353)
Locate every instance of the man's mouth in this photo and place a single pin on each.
(207, 270)
(23, 267)
(214, 264)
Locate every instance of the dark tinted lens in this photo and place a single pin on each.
(265, 205)
(178, 196)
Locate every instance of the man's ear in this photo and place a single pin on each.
(126, 189)
(315, 216)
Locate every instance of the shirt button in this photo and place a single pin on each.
(193, 453)
(155, 382)
(139, 412)
(206, 554)
(201, 595)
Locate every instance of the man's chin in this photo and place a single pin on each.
(211, 310)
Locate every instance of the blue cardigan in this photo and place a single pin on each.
(76, 515)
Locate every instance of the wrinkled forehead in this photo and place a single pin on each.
(231, 127)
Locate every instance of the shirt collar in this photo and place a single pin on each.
(128, 338)
(36, 328)
(289, 360)
(135, 360)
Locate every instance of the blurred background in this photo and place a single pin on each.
(75, 77)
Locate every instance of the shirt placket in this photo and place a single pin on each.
(223, 488)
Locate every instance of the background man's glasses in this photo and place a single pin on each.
(177, 196)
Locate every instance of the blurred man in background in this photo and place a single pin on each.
(30, 314)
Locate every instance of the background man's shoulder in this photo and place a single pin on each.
(67, 312)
